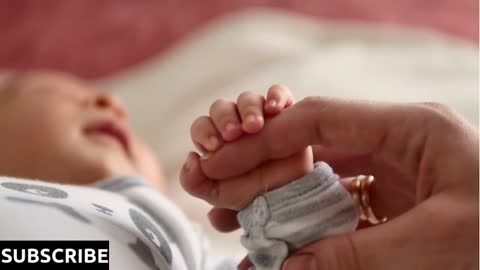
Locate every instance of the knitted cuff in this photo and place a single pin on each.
(285, 219)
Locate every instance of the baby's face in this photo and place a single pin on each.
(54, 127)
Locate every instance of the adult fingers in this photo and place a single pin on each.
(393, 192)
(223, 219)
(385, 204)
(237, 192)
(411, 241)
(395, 132)
(373, 248)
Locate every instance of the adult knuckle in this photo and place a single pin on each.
(311, 101)
(438, 116)
(313, 106)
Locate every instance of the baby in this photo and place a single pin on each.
(98, 181)
(56, 128)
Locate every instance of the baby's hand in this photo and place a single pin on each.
(229, 121)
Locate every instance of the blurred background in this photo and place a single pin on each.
(171, 59)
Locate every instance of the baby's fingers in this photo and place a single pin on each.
(205, 135)
(279, 97)
(224, 116)
(250, 108)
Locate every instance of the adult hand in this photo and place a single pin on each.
(425, 160)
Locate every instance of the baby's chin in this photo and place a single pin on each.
(114, 168)
(104, 161)
(108, 167)
(94, 166)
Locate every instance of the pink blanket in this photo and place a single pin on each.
(96, 38)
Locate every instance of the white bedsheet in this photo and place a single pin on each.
(256, 48)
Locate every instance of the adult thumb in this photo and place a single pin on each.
(336, 253)
(374, 248)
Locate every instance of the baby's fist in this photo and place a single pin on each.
(228, 121)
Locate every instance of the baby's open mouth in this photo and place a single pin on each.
(112, 130)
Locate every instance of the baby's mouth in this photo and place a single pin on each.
(112, 130)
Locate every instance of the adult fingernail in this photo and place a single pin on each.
(304, 262)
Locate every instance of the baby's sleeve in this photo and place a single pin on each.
(285, 219)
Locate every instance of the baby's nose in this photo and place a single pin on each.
(108, 101)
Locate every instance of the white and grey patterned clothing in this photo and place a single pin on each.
(146, 231)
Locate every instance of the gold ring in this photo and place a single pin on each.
(360, 190)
